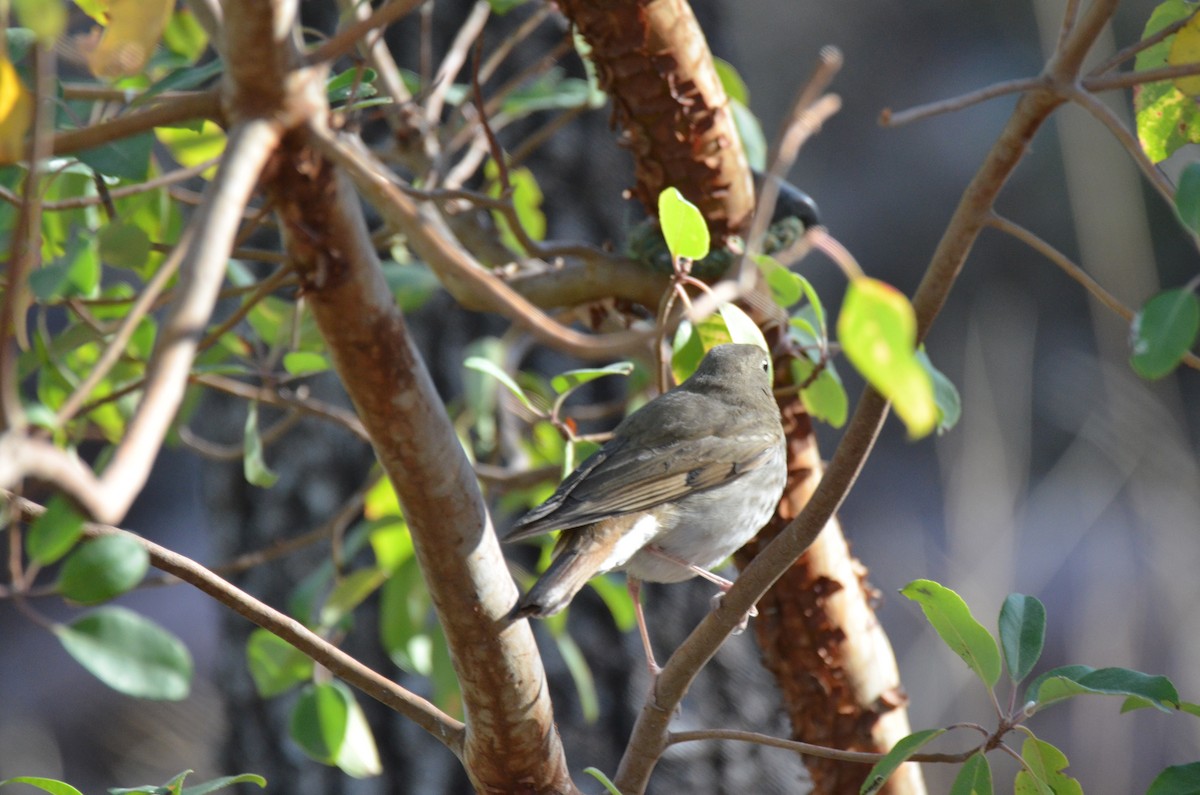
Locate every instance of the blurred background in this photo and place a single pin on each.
(1068, 478)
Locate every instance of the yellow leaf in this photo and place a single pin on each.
(1185, 50)
(134, 27)
(193, 148)
(16, 113)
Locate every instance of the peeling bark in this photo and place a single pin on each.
(653, 60)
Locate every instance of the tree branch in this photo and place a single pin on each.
(462, 275)
(503, 683)
(205, 105)
(202, 270)
(321, 651)
(649, 736)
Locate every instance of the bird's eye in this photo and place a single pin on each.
(766, 366)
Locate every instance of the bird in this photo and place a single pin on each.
(684, 482)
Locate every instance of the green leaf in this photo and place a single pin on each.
(603, 779)
(581, 674)
(825, 396)
(877, 329)
(192, 147)
(353, 81)
(304, 362)
(253, 464)
(1022, 634)
(552, 91)
(565, 383)
(53, 786)
(616, 599)
(329, 725)
(276, 666)
(182, 79)
(749, 130)
(126, 158)
(1044, 772)
(223, 782)
(172, 787)
(974, 778)
(731, 81)
(949, 615)
(403, 612)
(1166, 117)
(1177, 780)
(129, 653)
(482, 365)
(392, 544)
(502, 7)
(1074, 680)
(945, 394)
(319, 721)
(381, 501)
(728, 324)
(902, 750)
(683, 226)
(350, 593)
(55, 532)
(527, 203)
(786, 287)
(410, 283)
(1162, 332)
(185, 36)
(102, 568)
(1187, 197)
(124, 245)
(742, 329)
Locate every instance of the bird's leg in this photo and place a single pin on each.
(635, 592)
(715, 579)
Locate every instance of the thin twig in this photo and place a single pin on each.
(889, 119)
(107, 498)
(434, 243)
(25, 248)
(455, 57)
(284, 399)
(1105, 116)
(1125, 54)
(1130, 79)
(349, 37)
(1094, 288)
(808, 749)
(510, 42)
(129, 324)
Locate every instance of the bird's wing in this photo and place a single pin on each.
(618, 480)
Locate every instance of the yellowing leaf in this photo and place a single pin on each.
(45, 19)
(16, 113)
(192, 148)
(877, 329)
(1185, 49)
(134, 28)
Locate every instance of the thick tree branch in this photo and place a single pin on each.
(650, 732)
(206, 105)
(510, 738)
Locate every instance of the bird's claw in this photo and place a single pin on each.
(741, 625)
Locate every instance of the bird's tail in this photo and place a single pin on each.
(575, 564)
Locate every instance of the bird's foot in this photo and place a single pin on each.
(719, 596)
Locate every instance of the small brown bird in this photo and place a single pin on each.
(684, 482)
